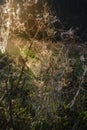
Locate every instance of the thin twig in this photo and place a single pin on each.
(70, 105)
(26, 58)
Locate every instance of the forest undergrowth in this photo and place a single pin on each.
(42, 81)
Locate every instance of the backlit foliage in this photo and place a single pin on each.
(42, 87)
(26, 19)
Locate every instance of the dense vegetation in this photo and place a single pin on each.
(42, 82)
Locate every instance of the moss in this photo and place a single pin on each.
(31, 53)
(26, 52)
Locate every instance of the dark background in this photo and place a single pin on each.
(72, 13)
